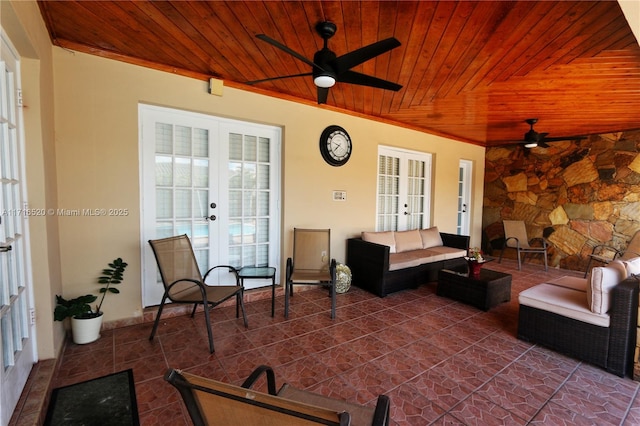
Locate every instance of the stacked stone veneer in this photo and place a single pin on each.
(576, 194)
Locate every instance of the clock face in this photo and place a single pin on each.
(335, 145)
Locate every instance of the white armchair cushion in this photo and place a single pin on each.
(632, 265)
(603, 279)
(384, 238)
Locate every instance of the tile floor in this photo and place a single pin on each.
(440, 362)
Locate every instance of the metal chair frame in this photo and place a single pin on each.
(209, 401)
(515, 236)
(310, 264)
(192, 288)
(598, 252)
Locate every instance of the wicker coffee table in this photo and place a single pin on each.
(485, 291)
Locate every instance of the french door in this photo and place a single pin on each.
(464, 197)
(216, 180)
(17, 329)
(404, 189)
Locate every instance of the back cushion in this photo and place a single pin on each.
(633, 266)
(603, 279)
(408, 240)
(431, 237)
(384, 238)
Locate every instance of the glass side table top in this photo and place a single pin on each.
(257, 272)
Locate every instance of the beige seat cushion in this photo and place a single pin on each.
(385, 238)
(603, 279)
(409, 259)
(449, 252)
(562, 301)
(407, 240)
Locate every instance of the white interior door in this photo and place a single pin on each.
(17, 349)
(404, 189)
(216, 180)
(464, 197)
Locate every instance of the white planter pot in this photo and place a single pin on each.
(86, 330)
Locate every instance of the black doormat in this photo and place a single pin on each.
(108, 400)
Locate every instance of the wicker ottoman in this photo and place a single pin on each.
(485, 291)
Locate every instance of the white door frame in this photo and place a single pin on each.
(219, 131)
(400, 206)
(18, 348)
(463, 224)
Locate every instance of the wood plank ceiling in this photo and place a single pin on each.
(470, 70)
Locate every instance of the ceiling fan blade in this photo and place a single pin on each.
(323, 92)
(358, 56)
(353, 77)
(278, 78)
(565, 138)
(284, 48)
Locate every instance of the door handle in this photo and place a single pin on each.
(464, 208)
(4, 249)
(211, 218)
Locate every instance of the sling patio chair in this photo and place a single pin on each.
(604, 254)
(310, 264)
(515, 236)
(210, 402)
(183, 282)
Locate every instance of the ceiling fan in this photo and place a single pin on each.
(533, 139)
(327, 68)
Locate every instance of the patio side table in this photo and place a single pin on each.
(260, 272)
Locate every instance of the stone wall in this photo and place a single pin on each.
(576, 194)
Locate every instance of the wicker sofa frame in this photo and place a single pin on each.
(611, 348)
(369, 264)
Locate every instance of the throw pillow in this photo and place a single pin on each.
(408, 240)
(383, 238)
(603, 279)
(431, 237)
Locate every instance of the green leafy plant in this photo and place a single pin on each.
(110, 276)
(78, 307)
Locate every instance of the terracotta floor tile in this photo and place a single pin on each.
(409, 408)
(475, 410)
(520, 401)
(435, 386)
(441, 362)
(553, 414)
(154, 394)
(283, 352)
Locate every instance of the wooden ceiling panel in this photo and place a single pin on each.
(470, 70)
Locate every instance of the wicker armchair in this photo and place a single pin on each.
(611, 348)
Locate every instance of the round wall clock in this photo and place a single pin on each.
(335, 145)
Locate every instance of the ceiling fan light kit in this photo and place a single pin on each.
(324, 81)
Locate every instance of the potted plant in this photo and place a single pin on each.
(85, 322)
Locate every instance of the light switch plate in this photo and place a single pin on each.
(339, 195)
